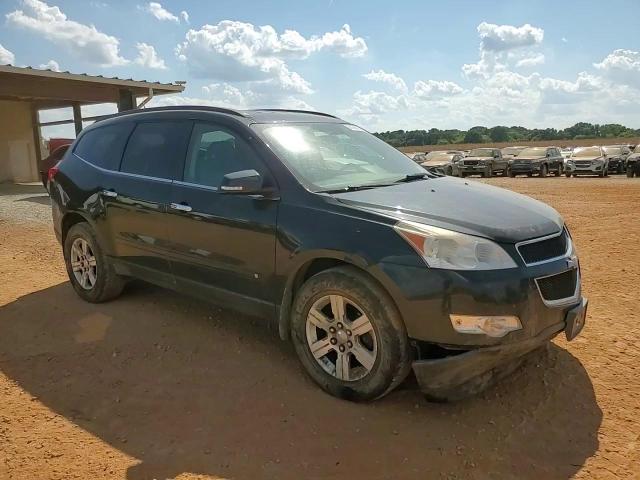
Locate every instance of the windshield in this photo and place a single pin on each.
(586, 152)
(533, 152)
(612, 150)
(512, 150)
(327, 156)
(481, 152)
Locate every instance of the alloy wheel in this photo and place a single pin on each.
(341, 337)
(83, 264)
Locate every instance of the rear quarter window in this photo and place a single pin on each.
(103, 146)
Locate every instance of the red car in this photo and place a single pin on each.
(54, 157)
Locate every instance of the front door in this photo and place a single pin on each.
(223, 244)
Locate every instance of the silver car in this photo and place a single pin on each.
(587, 161)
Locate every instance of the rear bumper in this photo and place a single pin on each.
(459, 376)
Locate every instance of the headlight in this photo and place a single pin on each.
(446, 249)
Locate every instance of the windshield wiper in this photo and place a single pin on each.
(355, 188)
(411, 177)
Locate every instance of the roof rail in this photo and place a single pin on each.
(228, 111)
(310, 112)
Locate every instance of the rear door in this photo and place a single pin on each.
(137, 197)
(223, 244)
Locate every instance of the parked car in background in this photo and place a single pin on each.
(484, 162)
(537, 160)
(566, 153)
(633, 163)
(510, 152)
(54, 157)
(587, 161)
(357, 254)
(617, 157)
(417, 156)
(443, 162)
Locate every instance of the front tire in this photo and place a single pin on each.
(349, 335)
(90, 272)
(543, 170)
(567, 174)
(629, 172)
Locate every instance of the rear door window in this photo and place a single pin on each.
(103, 146)
(156, 149)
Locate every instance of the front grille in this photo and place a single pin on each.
(583, 164)
(546, 249)
(470, 162)
(558, 287)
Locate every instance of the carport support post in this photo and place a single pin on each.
(77, 118)
(127, 100)
(35, 126)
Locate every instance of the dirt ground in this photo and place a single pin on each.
(157, 385)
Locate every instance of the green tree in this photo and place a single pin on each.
(499, 134)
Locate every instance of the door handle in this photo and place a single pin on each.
(109, 193)
(181, 207)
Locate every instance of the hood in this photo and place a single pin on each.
(464, 206)
(585, 159)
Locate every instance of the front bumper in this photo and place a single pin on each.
(523, 168)
(474, 169)
(459, 376)
(593, 169)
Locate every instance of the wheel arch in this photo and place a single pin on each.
(318, 263)
(69, 220)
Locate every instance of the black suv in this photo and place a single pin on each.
(538, 160)
(367, 262)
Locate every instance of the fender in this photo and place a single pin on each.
(301, 263)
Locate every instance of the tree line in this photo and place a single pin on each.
(479, 134)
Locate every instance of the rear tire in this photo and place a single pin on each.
(629, 172)
(90, 272)
(568, 174)
(351, 295)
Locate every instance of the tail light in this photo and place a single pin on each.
(52, 172)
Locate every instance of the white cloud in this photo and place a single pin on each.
(50, 65)
(434, 88)
(389, 78)
(564, 39)
(241, 52)
(229, 96)
(506, 37)
(83, 41)
(185, 16)
(622, 66)
(158, 11)
(148, 57)
(6, 56)
(500, 44)
(531, 60)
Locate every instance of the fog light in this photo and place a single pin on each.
(493, 326)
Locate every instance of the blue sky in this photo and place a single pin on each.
(383, 65)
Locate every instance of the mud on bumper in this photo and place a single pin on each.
(459, 376)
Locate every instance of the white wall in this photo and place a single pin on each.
(17, 151)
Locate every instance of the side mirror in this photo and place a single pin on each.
(242, 182)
